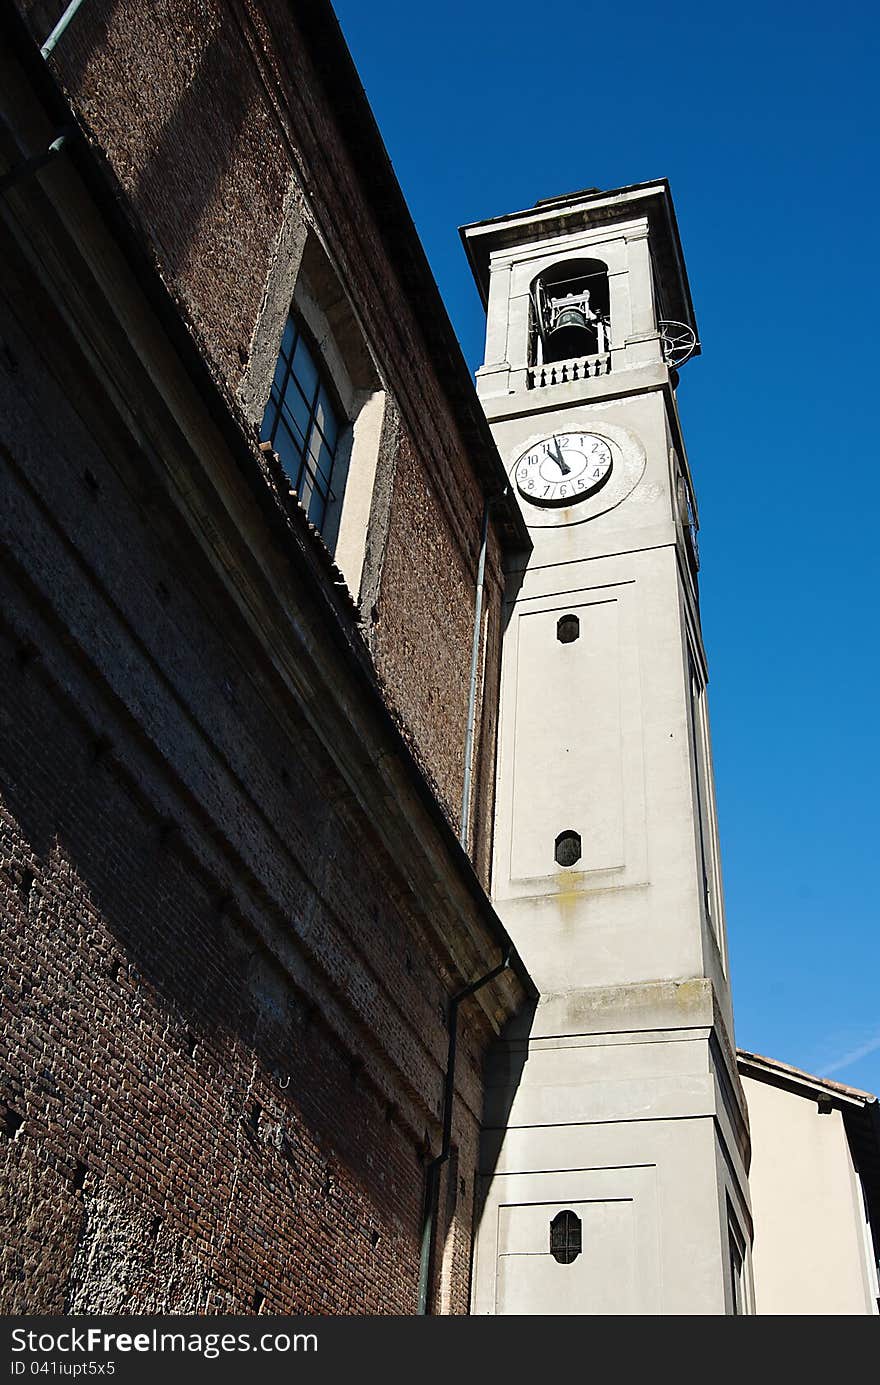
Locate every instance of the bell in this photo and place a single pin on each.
(572, 335)
(571, 317)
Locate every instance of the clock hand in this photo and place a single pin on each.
(560, 462)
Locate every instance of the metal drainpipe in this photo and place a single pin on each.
(432, 1179)
(60, 27)
(472, 695)
(26, 168)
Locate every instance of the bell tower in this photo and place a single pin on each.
(615, 1134)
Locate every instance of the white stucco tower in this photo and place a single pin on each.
(616, 1143)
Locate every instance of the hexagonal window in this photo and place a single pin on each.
(568, 628)
(566, 1237)
(568, 848)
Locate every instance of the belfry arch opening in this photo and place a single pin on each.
(569, 312)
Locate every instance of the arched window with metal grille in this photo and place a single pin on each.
(566, 1238)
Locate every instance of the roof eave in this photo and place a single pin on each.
(758, 1066)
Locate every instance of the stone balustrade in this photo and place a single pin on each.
(561, 372)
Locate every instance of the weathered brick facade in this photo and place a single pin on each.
(233, 907)
(228, 121)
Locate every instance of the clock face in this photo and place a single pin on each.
(563, 469)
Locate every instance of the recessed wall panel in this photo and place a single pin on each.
(601, 1280)
(567, 754)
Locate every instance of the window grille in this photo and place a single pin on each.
(302, 422)
(565, 1237)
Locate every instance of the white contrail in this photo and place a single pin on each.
(844, 1062)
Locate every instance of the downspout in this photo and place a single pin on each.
(472, 694)
(62, 24)
(26, 168)
(432, 1179)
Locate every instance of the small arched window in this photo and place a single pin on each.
(570, 312)
(566, 1239)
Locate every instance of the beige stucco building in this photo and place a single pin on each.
(815, 1182)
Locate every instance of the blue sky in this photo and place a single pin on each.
(764, 120)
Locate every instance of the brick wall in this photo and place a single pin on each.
(209, 114)
(192, 1134)
(224, 1003)
(195, 1134)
